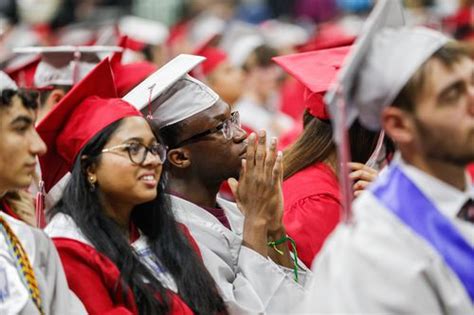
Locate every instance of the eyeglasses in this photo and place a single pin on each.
(137, 152)
(225, 127)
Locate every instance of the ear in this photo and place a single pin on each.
(179, 157)
(90, 168)
(54, 97)
(398, 124)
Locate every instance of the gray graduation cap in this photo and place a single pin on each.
(64, 65)
(173, 95)
(382, 61)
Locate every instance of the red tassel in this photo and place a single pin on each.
(39, 207)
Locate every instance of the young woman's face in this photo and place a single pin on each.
(119, 178)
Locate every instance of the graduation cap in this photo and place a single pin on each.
(171, 94)
(64, 65)
(239, 40)
(129, 75)
(203, 29)
(281, 35)
(142, 32)
(214, 57)
(381, 62)
(88, 108)
(22, 71)
(6, 82)
(316, 70)
(328, 35)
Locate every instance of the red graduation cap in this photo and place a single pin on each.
(127, 76)
(214, 57)
(315, 70)
(328, 35)
(88, 108)
(24, 74)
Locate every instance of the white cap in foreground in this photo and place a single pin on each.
(382, 61)
(172, 94)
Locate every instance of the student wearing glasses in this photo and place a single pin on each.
(243, 244)
(122, 250)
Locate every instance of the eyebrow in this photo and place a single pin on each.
(22, 119)
(139, 139)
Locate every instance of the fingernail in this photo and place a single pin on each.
(261, 133)
(279, 154)
(274, 140)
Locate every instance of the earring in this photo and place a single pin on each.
(92, 183)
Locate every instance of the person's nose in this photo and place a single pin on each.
(37, 145)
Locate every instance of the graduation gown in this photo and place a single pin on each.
(381, 265)
(312, 208)
(55, 294)
(94, 277)
(248, 282)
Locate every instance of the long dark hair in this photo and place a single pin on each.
(316, 144)
(156, 221)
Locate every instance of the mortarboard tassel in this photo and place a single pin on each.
(344, 156)
(75, 65)
(372, 161)
(150, 113)
(39, 207)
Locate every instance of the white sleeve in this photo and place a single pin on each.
(256, 285)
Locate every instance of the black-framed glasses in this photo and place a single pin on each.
(225, 127)
(137, 151)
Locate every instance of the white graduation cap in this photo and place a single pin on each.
(203, 29)
(239, 40)
(64, 65)
(172, 94)
(143, 30)
(382, 61)
(6, 82)
(279, 34)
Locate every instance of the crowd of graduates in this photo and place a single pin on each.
(239, 157)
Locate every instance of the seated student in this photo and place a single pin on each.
(243, 244)
(409, 246)
(311, 187)
(122, 250)
(224, 78)
(32, 279)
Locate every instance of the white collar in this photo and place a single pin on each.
(447, 199)
(62, 225)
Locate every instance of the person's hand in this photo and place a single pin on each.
(258, 192)
(362, 176)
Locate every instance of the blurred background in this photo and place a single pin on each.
(239, 38)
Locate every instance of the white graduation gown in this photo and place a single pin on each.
(378, 265)
(248, 282)
(55, 294)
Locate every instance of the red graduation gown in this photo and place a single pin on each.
(93, 278)
(312, 208)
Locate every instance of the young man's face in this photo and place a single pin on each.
(444, 115)
(213, 157)
(19, 145)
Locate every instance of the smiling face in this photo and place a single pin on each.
(120, 180)
(20, 144)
